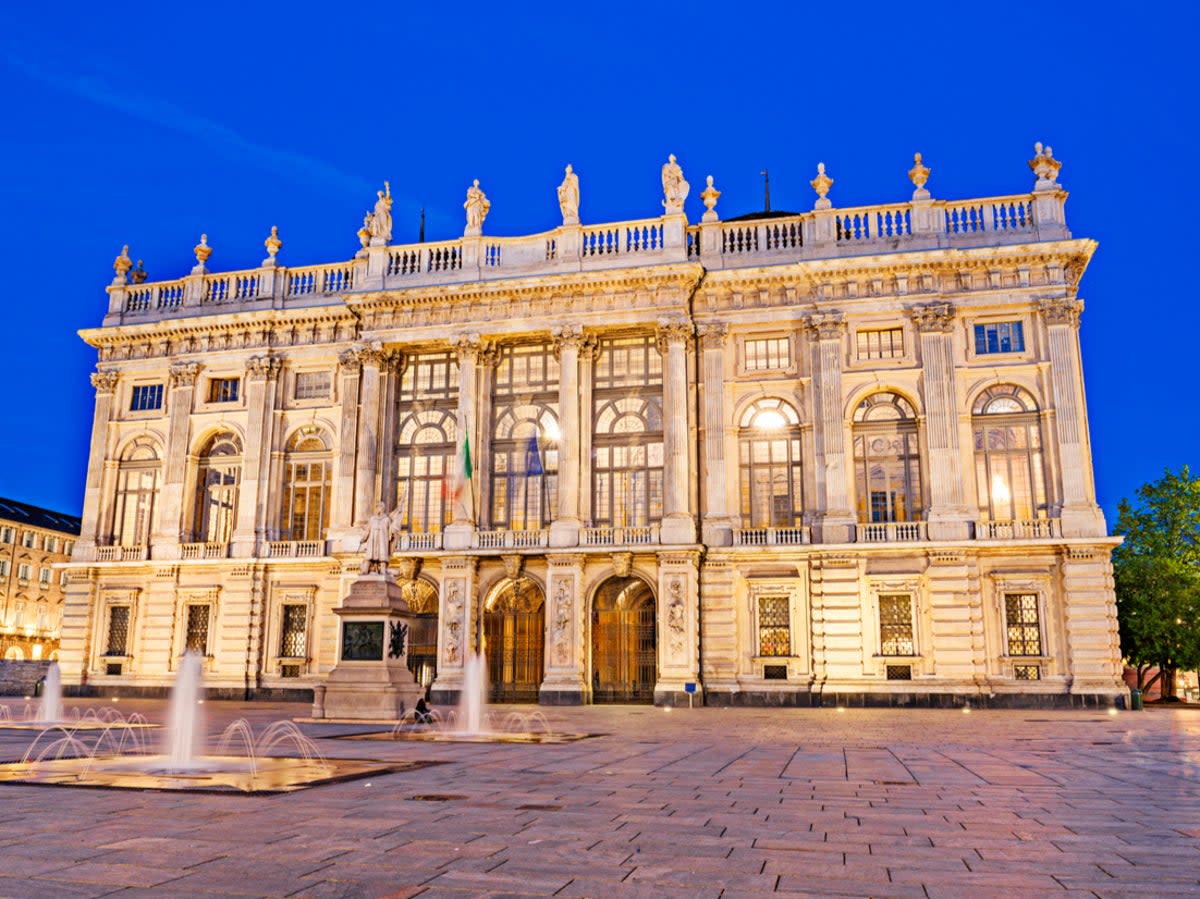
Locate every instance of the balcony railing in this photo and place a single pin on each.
(502, 539)
(626, 536)
(120, 553)
(890, 532)
(293, 549)
(1018, 530)
(203, 550)
(411, 542)
(770, 536)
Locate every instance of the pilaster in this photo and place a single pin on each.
(456, 625)
(370, 410)
(105, 383)
(564, 531)
(176, 459)
(341, 518)
(678, 525)
(717, 520)
(835, 520)
(678, 628)
(588, 351)
(565, 681)
(460, 533)
(262, 373)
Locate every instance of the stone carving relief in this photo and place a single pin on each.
(622, 564)
(676, 617)
(454, 622)
(563, 601)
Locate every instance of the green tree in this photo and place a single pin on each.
(1157, 574)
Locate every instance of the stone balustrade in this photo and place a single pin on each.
(816, 235)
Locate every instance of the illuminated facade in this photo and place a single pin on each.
(32, 542)
(776, 459)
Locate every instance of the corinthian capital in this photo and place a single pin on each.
(104, 381)
(1061, 311)
(183, 374)
(262, 368)
(712, 334)
(361, 354)
(827, 325)
(933, 316)
(678, 330)
(468, 347)
(566, 337)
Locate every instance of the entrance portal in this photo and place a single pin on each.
(422, 599)
(514, 622)
(624, 642)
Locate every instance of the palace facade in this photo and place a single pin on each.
(837, 456)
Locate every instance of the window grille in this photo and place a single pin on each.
(293, 643)
(146, 397)
(886, 343)
(113, 668)
(999, 337)
(289, 670)
(1023, 624)
(118, 632)
(313, 385)
(774, 627)
(197, 629)
(223, 390)
(1027, 672)
(895, 625)
(899, 672)
(768, 354)
(775, 672)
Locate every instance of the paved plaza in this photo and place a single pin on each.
(696, 803)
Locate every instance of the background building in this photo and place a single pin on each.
(780, 459)
(32, 542)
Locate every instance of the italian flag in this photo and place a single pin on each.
(461, 495)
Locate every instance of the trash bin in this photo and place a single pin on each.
(39, 686)
(1135, 700)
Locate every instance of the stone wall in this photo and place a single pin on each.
(18, 678)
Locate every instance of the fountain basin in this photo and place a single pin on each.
(432, 735)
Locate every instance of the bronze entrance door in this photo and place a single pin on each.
(513, 628)
(624, 644)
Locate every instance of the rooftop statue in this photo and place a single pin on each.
(675, 189)
(568, 197)
(477, 207)
(381, 219)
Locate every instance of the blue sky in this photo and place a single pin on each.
(148, 124)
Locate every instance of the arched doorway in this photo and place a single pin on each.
(422, 599)
(624, 642)
(514, 621)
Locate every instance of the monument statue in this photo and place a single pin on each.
(380, 221)
(675, 189)
(568, 197)
(377, 541)
(477, 207)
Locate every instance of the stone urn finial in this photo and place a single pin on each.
(1045, 167)
(918, 175)
(710, 195)
(272, 243)
(821, 185)
(364, 233)
(139, 274)
(122, 264)
(202, 250)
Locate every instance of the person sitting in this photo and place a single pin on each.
(421, 713)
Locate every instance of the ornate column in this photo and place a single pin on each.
(588, 351)
(105, 383)
(171, 519)
(565, 529)
(367, 458)
(460, 533)
(489, 357)
(678, 525)
(947, 515)
(341, 518)
(1081, 517)
(717, 522)
(835, 518)
(262, 373)
(395, 363)
(565, 681)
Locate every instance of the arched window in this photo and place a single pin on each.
(137, 484)
(426, 405)
(627, 447)
(1009, 469)
(307, 463)
(525, 438)
(218, 474)
(887, 460)
(770, 481)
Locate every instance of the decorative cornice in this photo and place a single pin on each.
(1061, 311)
(827, 325)
(933, 317)
(104, 381)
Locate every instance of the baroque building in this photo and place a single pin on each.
(34, 544)
(837, 456)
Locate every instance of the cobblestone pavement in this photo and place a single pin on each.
(696, 803)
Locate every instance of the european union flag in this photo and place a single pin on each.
(533, 458)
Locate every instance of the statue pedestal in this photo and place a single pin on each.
(371, 679)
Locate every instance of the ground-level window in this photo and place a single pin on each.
(896, 625)
(1022, 624)
(197, 629)
(293, 642)
(118, 631)
(774, 630)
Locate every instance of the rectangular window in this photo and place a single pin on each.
(6, 535)
(886, 343)
(44, 577)
(62, 578)
(27, 539)
(1023, 624)
(5, 567)
(293, 643)
(118, 631)
(68, 546)
(50, 544)
(223, 390)
(1027, 672)
(23, 571)
(774, 631)
(999, 337)
(146, 397)
(312, 385)
(895, 625)
(768, 354)
(197, 629)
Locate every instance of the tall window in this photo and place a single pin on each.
(887, 461)
(427, 403)
(218, 474)
(6, 535)
(774, 626)
(293, 641)
(196, 639)
(525, 438)
(137, 485)
(307, 465)
(118, 631)
(1022, 624)
(769, 465)
(896, 625)
(1009, 470)
(627, 471)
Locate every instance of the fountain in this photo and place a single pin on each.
(50, 709)
(63, 754)
(472, 703)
